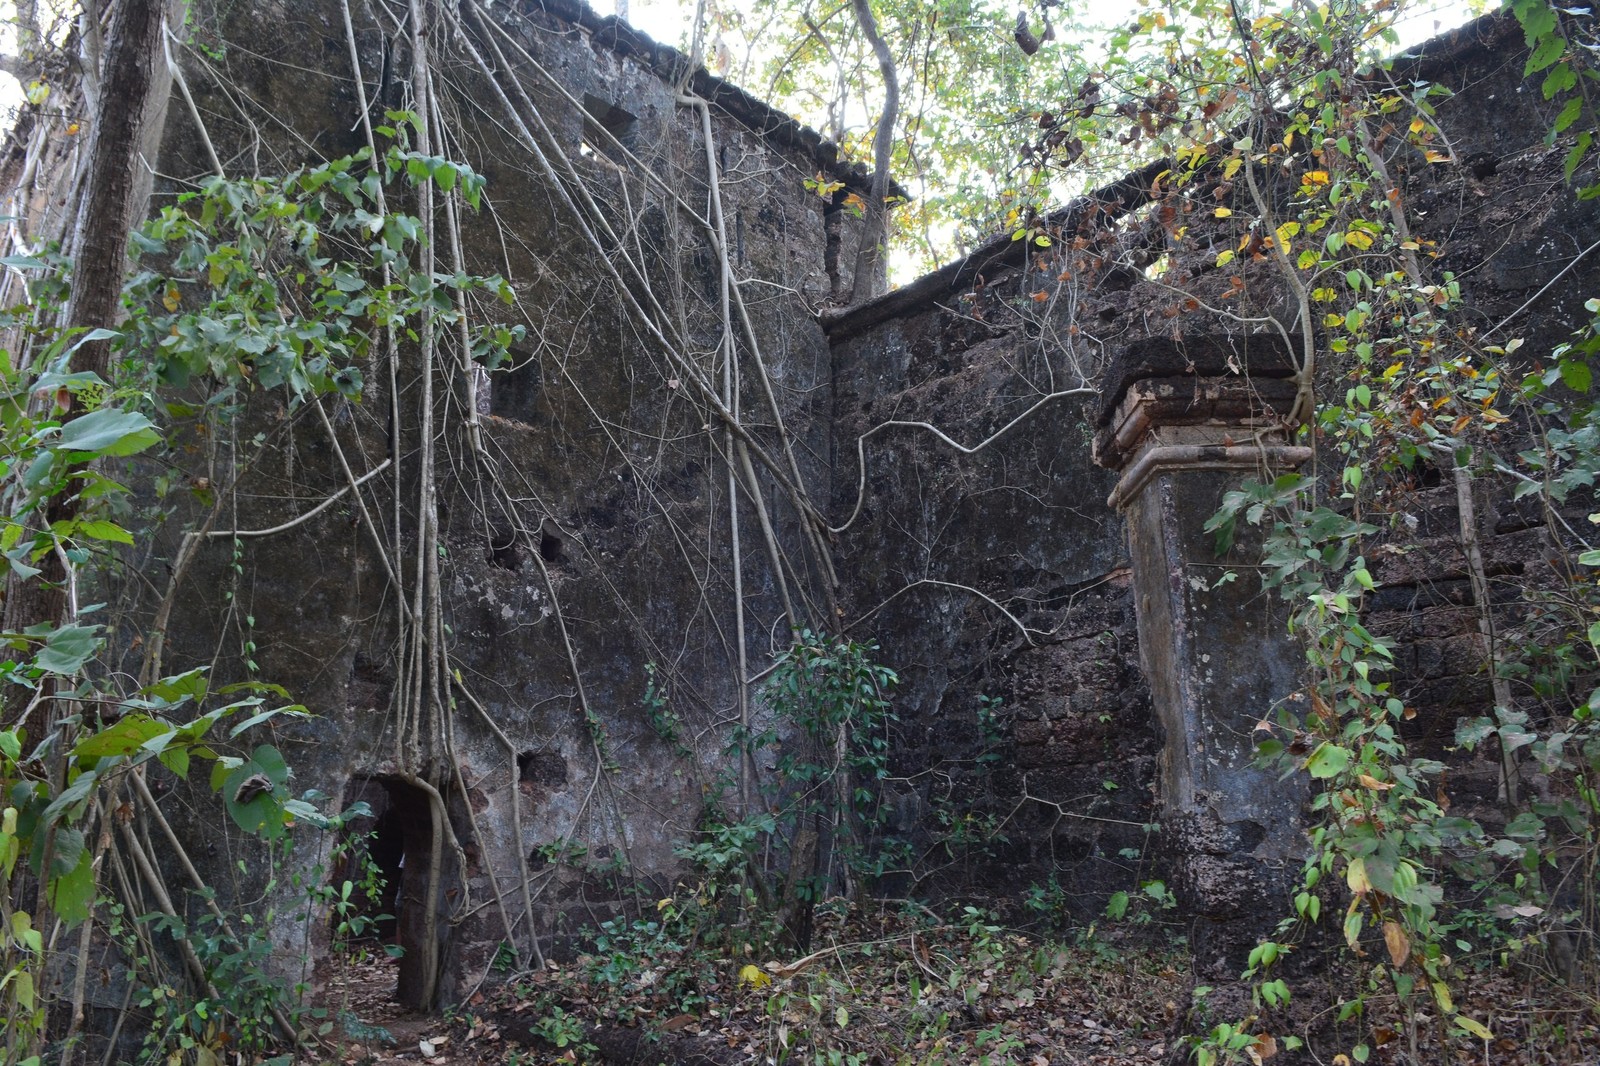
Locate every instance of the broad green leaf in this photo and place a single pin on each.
(252, 792)
(1575, 375)
(180, 687)
(1327, 760)
(67, 649)
(103, 530)
(72, 892)
(107, 431)
(121, 738)
(74, 794)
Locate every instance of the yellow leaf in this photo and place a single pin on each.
(1417, 125)
(170, 300)
(1374, 784)
(753, 976)
(1314, 177)
(1433, 156)
(1223, 212)
(1286, 233)
(1441, 994)
(1356, 876)
(1399, 945)
(1224, 257)
(1356, 239)
(1475, 1027)
(1231, 167)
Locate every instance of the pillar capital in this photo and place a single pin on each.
(1194, 407)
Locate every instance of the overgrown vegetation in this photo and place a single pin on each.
(252, 286)
(1279, 133)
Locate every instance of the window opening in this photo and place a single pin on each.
(603, 121)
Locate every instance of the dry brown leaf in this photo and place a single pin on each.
(1398, 943)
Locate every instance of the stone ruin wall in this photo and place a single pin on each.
(599, 497)
(999, 585)
(1026, 522)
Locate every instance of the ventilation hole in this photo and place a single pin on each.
(549, 547)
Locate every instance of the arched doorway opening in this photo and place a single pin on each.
(393, 851)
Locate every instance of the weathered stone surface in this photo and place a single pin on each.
(1035, 741)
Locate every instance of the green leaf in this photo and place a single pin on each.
(67, 848)
(252, 792)
(1569, 114)
(74, 794)
(67, 649)
(71, 892)
(122, 738)
(176, 760)
(102, 530)
(1576, 375)
(1574, 157)
(1327, 760)
(295, 710)
(1544, 54)
(108, 431)
(180, 687)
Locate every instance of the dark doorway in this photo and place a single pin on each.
(396, 845)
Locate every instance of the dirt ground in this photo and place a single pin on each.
(891, 992)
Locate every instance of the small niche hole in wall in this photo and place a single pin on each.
(502, 550)
(604, 126)
(549, 546)
(540, 771)
(513, 390)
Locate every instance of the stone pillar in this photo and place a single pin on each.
(1184, 427)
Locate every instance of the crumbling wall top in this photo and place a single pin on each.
(673, 67)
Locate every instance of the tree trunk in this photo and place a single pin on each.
(134, 78)
(875, 231)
